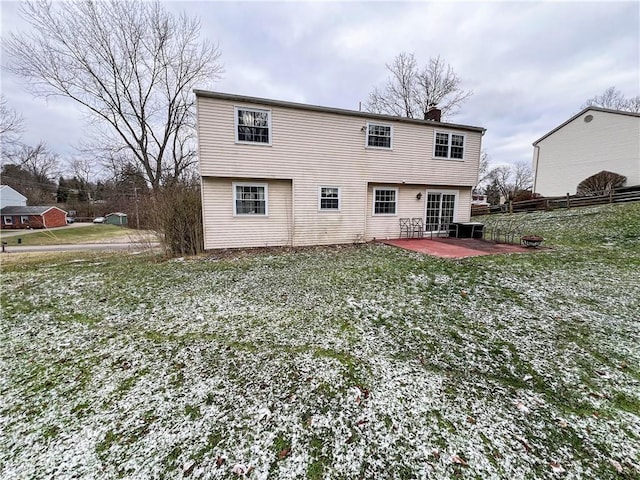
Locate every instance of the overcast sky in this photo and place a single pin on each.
(531, 65)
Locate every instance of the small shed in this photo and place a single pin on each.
(116, 218)
(32, 217)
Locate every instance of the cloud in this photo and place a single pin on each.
(531, 65)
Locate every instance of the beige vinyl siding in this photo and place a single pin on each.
(463, 208)
(224, 230)
(315, 227)
(384, 227)
(315, 149)
(308, 145)
(579, 149)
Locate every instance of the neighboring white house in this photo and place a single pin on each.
(595, 139)
(11, 198)
(278, 173)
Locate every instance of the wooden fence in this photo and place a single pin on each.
(567, 201)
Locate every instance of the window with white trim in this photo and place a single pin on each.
(329, 199)
(448, 145)
(253, 126)
(379, 136)
(385, 201)
(8, 220)
(24, 219)
(250, 199)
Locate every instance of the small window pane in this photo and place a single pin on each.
(253, 126)
(329, 198)
(457, 140)
(250, 200)
(441, 151)
(442, 139)
(385, 202)
(379, 136)
(449, 145)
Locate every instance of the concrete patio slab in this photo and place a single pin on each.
(457, 247)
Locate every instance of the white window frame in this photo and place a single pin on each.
(24, 219)
(366, 139)
(251, 184)
(329, 210)
(449, 145)
(251, 109)
(373, 202)
(7, 219)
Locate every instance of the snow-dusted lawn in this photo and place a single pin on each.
(353, 362)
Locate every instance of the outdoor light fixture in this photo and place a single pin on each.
(363, 128)
(419, 195)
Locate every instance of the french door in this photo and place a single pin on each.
(440, 210)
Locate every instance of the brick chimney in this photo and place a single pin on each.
(433, 114)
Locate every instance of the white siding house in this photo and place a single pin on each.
(11, 198)
(278, 173)
(594, 140)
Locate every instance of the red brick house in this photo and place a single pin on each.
(32, 217)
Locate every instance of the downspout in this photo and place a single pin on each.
(292, 221)
(536, 154)
(366, 206)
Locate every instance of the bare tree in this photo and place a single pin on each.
(614, 99)
(86, 173)
(39, 161)
(32, 171)
(11, 126)
(511, 180)
(131, 65)
(411, 92)
(483, 170)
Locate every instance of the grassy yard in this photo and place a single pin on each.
(74, 235)
(337, 363)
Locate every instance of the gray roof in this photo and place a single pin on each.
(35, 210)
(583, 111)
(337, 111)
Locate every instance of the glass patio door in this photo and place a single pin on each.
(440, 209)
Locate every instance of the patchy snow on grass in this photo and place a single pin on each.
(357, 362)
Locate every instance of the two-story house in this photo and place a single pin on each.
(593, 140)
(277, 173)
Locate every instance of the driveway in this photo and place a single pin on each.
(131, 246)
(25, 231)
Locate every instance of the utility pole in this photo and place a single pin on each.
(135, 199)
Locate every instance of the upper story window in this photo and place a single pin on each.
(253, 126)
(449, 145)
(385, 201)
(250, 199)
(329, 198)
(379, 136)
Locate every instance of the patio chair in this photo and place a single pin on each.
(517, 229)
(440, 229)
(500, 228)
(417, 227)
(405, 226)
